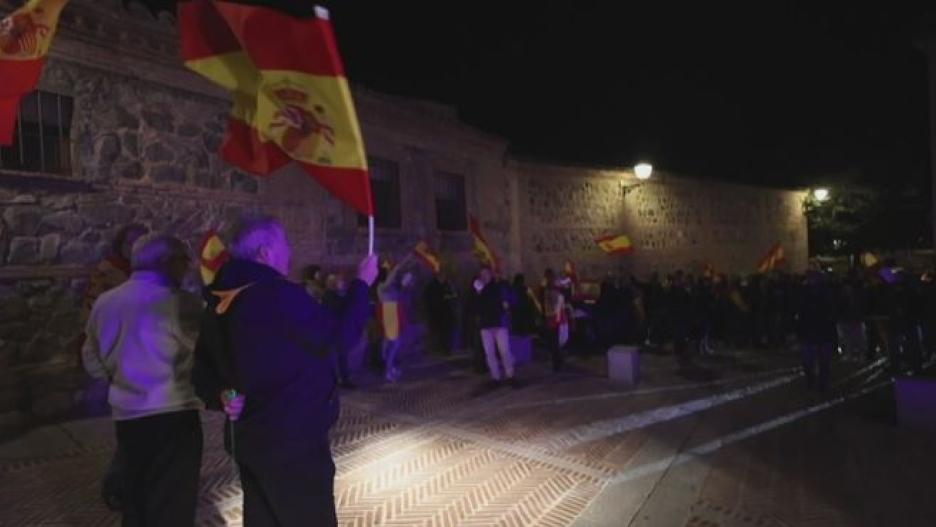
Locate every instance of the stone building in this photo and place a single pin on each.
(120, 132)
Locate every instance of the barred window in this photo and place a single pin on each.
(42, 138)
(450, 202)
(385, 185)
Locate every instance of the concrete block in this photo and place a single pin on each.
(916, 402)
(624, 364)
(521, 346)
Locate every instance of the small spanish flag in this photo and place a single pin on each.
(482, 250)
(771, 260)
(291, 97)
(211, 256)
(428, 257)
(611, 244)
(390, 315)
(25, 37)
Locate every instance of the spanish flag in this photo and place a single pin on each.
(25, 37)
(611, 244)
(390, 315)
(771, 260)
(482, 250)
(568, 269)
(291, 97)
(211, 256)
(428, 257)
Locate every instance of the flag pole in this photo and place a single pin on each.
(370, 235)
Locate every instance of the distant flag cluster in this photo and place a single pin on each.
(25, 37)
(612, 244)
(291, 97)
(772, 259)
(482, 250)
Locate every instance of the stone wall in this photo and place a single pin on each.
(674, 223)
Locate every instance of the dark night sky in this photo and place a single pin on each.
(771, 92)
(774, 92)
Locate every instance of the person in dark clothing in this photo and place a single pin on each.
(440, 298)
(334, 300)
(523, 316)
(816, 318)
(264, 337)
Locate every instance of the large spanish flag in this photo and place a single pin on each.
(772, 259)
(482, 250)
(428, 257)
(291, 97)
(25, 37)
(619, 244)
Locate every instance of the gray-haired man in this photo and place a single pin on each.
(140, 337)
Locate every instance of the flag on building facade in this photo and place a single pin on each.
(771, 260)
(25, 37)
(292, 102)
(611, 244)
(428, 257)
(482, 250)
(212, 253)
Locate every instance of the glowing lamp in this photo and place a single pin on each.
(643, 171)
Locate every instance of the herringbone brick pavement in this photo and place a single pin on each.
(441, 450)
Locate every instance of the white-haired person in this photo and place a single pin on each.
(264, 337)
(140, 338)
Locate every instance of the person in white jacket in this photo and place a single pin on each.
(140, 338)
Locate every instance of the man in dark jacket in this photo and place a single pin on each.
(264, 337)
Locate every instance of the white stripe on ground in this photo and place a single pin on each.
(608, 427)
(601, 429)
(715, 444)
(648, 391)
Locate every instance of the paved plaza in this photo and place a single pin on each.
(732, 440)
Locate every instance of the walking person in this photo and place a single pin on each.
(494, 321)
(263, 336)
(113, 270)
(140, 338)
(392, 316)
(556, 312)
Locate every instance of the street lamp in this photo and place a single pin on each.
(821, 194)
(643, 171)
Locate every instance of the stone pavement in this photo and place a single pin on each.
(729, 440)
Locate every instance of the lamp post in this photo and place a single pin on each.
(821, 194)
(643, 171)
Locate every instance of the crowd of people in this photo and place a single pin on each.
(271, 353)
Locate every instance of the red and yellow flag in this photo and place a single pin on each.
(428, 257)
(568, 269)
(482, 250)
(25, 37)
(771, 260)
(391, 319)
(611, 244)
(291, 97)
(211, 256)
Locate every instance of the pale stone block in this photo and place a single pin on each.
(624, 364)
